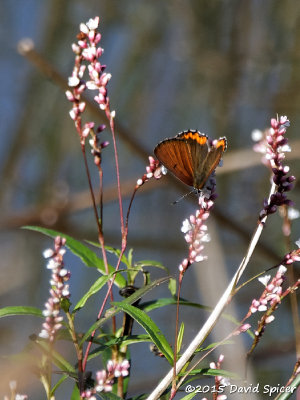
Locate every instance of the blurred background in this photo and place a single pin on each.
(222, 67)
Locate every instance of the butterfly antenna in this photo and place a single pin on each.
(182, 197)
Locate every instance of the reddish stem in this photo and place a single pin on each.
(174, 389)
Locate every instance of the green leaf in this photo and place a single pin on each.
(151, 263)
(96, 286)
(75, 394)
(212, 372)
(121, 341)
(61, 380)
(215, 344)
(150, 327)
(56, 358)
(129, 257)
(172, 286)
(87, 256)
(113, 311)
(190, 395)
(20, 310)
(180, 337)
(154, 304)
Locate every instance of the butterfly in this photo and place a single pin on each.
(190, 156)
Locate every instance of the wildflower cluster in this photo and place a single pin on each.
(59, 290)
(273, 293)
(87, 50)
(195, 229)
(271, 296)
(293, 256)
(105, 378)
(274, 145)
(154, 169)
(220, 381)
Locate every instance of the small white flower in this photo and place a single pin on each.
(264, 279)
(91, 85)
(186, 226)
(44, 334)
(256, 135)
(63, 272)
(73, 81)
(200, 258)
(52, 264)
(205, 238)
(269, 319)
(285, 148)
(93, 23)
(21, 396)
(83, 28)
(225, 381)
(48, 253)
(47, 313)
(282, 269)
(293, 213)
(262, 308)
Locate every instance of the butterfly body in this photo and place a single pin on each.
(190, 156)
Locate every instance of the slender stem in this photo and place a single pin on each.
(75, 341)
(101, 241)
(180, 278)
(101, 196)
(90, 186)
(124, 241)
(112, 127)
